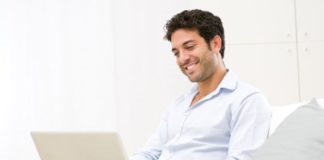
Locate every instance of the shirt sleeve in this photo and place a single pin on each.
(153, 147)
(250, 123)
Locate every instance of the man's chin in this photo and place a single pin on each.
(193, 79)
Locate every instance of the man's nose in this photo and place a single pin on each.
(183, 58)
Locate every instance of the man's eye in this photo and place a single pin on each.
(176, 54)
(190, 47)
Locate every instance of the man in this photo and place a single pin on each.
(221, 118)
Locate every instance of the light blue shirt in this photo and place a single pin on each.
(228, 124)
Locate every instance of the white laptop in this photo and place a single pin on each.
(79, 145)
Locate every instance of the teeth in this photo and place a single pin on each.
(189, 67)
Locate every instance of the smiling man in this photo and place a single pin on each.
(221, 117)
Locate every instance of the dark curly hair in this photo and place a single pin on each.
(207, 25)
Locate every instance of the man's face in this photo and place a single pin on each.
(194, 56)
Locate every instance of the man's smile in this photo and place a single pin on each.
(190, 67)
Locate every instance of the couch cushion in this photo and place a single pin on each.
(299, 137)
(280, 113)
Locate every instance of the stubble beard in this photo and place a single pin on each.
(205, 70)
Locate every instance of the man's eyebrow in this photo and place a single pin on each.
(183, 44)
(186, 42)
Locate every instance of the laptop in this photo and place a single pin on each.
(79, 146)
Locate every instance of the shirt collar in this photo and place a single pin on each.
(229, 82)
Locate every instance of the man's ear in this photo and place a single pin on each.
(216, 44)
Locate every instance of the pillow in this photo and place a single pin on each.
(299, 137)
(280, 113)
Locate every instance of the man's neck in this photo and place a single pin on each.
(209, 85)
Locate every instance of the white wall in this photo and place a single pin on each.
(56, 71)
(310, 47)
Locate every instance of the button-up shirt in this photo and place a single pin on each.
(227, 124)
